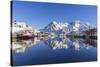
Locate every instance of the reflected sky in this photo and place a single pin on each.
(57, 50)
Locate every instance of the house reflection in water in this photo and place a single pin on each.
(20, 45)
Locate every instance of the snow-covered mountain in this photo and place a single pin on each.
(87, 26)
(55, 26)
(74, 26)
(69, 28)
(64, 27)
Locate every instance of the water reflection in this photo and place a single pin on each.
(19, 46)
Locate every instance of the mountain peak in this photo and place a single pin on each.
(54, 22)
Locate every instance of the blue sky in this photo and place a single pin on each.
(39, 14)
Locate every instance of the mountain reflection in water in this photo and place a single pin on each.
(19, 46)
(57, 50)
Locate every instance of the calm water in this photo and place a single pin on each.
(57, 50)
